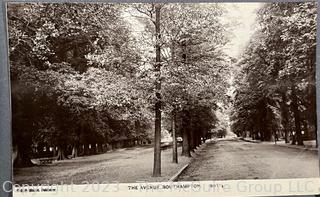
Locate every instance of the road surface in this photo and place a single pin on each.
(236, 159)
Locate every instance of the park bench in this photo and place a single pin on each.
(47, 160)
(165, 145)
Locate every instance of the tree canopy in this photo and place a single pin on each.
(276, 81)
(81, 76)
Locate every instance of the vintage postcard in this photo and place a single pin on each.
(171, 97)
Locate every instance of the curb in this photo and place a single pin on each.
(298, 148)
(176, 176)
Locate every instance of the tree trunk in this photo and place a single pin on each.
(285, 117)
(14, 155)
(185, 143)
(54, 152)
(196, 139)
(81, 150)
(74, 151)
(157, 136)
(294, 140)
(93, 149)
(100, 148)
(21, 156)
(305, 127)
(174, 138)
(253, 133)
(185, 133)
(297, 121)
(191, 139)
(262, 135)
(86, 150)
(265, 134)
(286, 136)
(191, 132)
(61, 153)
(312, 115)
(316, 130)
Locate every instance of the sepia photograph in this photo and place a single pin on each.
(158, 92)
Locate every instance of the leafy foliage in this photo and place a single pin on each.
(277, 71)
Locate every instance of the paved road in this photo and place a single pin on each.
(236, 159)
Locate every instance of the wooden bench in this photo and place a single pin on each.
(47, 160)
(166, 145)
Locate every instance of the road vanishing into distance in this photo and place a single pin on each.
(236, 159)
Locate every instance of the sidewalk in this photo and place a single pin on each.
(308, 145)
(194, 156)
(123, 165)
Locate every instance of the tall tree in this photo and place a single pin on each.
(157, 136)
(278, 67)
